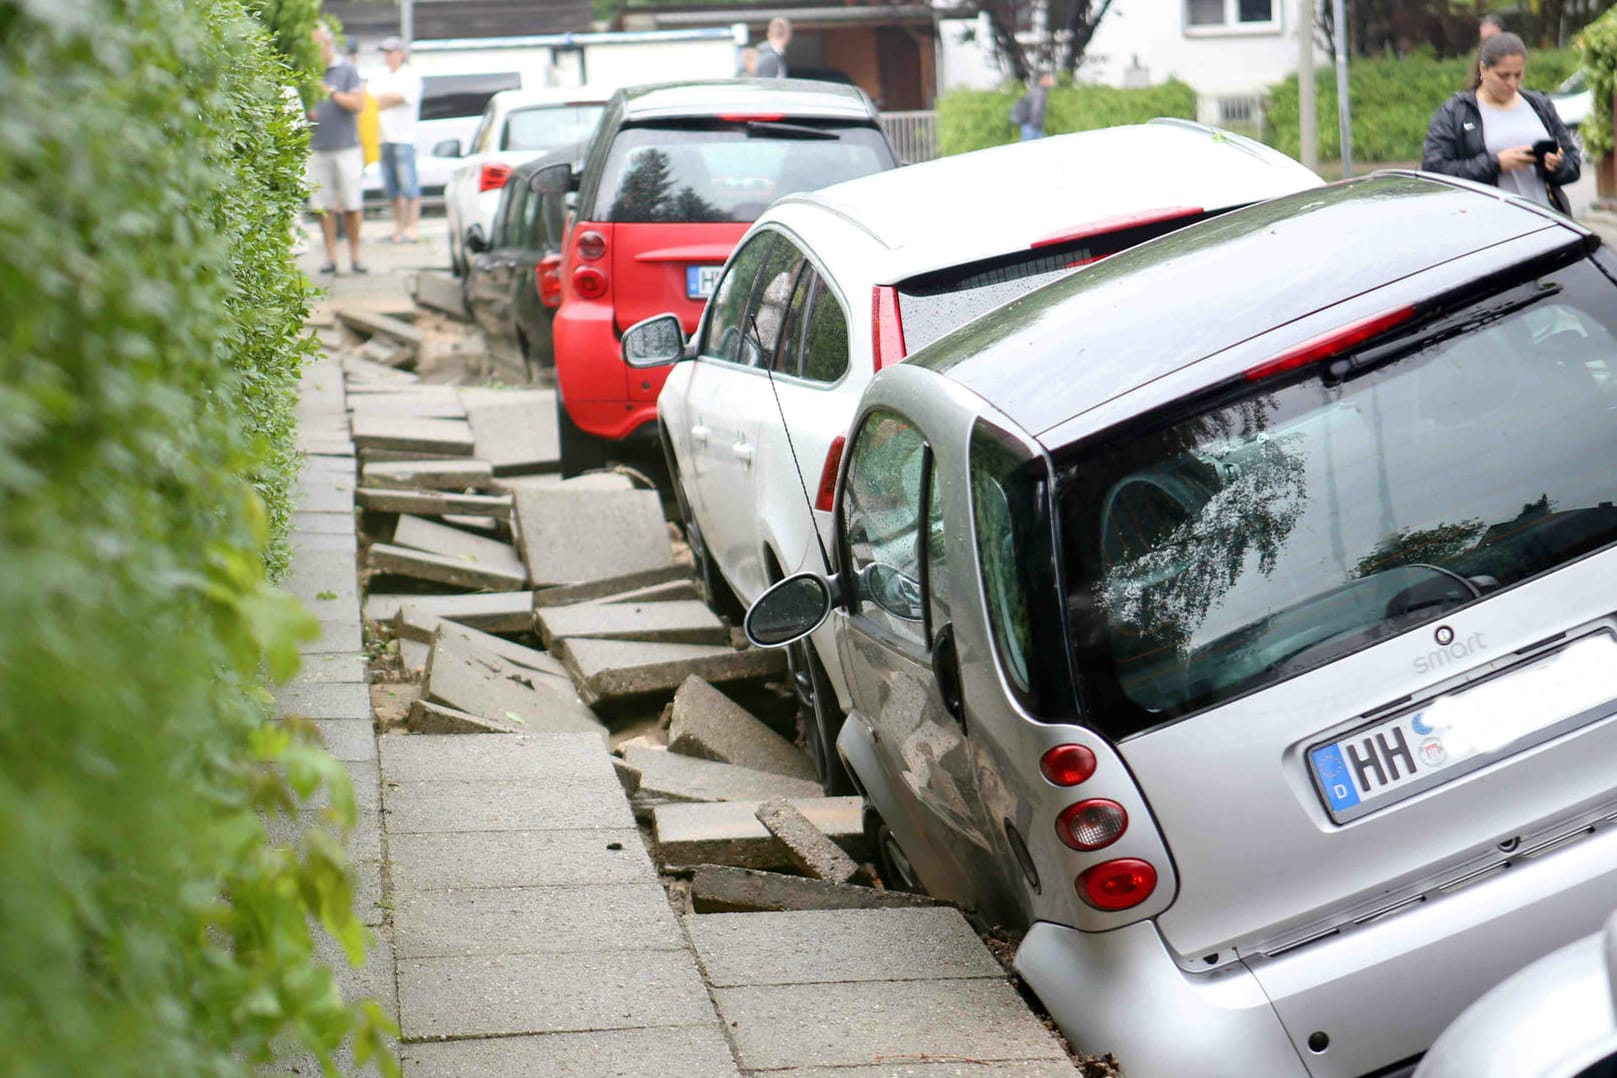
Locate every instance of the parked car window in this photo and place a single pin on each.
(881, 524)
(480, 137)
(825, 341)
(937, 561)
(722, 337)
(767, 314)
(1221, 553)
(707, 171)
(448, 97)
(789, 356)
(544, 127)
(1002, 506)
(508, 229)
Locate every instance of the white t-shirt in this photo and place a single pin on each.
(1508, 129)
(398, 122)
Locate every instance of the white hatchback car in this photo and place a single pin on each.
(517, 126)
(830, 286)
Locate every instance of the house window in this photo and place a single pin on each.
(1231, 16)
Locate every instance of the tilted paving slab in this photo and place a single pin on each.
(729, 833)
(373, 322)
(426, 717)
(619, 1053)
(333, 667)
(833, 946)
(485, 684)
(607, 587)
(873, 1023)
(569, 759)
(516, 431)
(449, 860)
(391, 456)
(493, 612)
(442, 292)
(433, 503)
(431, 807)
(417, 404)
(811, 852)
(555, 993)
(963, 1068)
(619, 669)
(536, 920)
(363, 376)
(489, 526)
(434, 538)
(409, 434)
(414, 655)
(570, 536)
(389, 353)
(672, 777)
(687, 621)
(451, 475)
(384, 606)
(465, 638)
(670, 592)
(511, 484)
(325, 700)
(708, 724)
(724, 889)
(405, 561)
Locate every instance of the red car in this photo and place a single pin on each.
(675, 174)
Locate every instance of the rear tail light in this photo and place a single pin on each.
(1117, 885)
(548, 273)
(591, 246)
(589, 282)
(1091, 825)
(887, 327)
(493, 175)
(826, 496)
(1067, 765)
(1338, 340)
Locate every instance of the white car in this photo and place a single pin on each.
(517, 126)
(830, 286)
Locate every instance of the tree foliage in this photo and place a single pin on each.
(1449, 27)
(1597, 47)
(975, 119)
(1030, 36)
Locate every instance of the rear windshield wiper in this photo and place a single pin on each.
(1349, 367)
(778, 129)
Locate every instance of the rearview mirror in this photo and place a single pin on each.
(655, 342)
(789, 611)
(891, 590)
(552, 180)
(449, 147)
(476, 240)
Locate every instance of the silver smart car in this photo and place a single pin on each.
(1239, 615)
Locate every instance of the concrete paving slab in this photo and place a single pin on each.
(834, 946)
(511, 484)
(623, 1053)
(722, 889)
(485, 684)
(466, 638)
(708, 724)
(811, 852)
(449, 436)
(392, 456)
(572, 760)
(348, 739)
(516, 431)
(958, 1069)
(388, 558)
(325, 700)
(373, 323)
(334, 667)
(323, 494)
(336, 634)
(384, 606)
(307, 523)
(414, 655)
(389, 353)
(492, 612)
(489, 526)
(450, 860)
(318, 446)
(616, 669)
(536, 920)
(571, 536)
(877, 1023)
(567, 594)
(670, 776)
(440, 291)
(418, 404)
(729, 833)
(428, 718)
(432, 504)
(686, 621)
(451, 475)
(363, 375)
(420, 534)
(309, 542)
(438, 807)
(504, 994)
(673, 591)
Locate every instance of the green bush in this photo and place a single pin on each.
(149, 351)
(1393, 101)
(1597, 49)
(975, 119)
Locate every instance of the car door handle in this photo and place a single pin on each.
(699, 434)
(742, 452)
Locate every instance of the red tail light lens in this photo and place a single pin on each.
(493, 176)
(548, 274)
(1117, 885)
(591, 246)
(589, 282)
(1338, 340)
(826, 496)
(1067, 765)
(1091, 825)
(887, 328)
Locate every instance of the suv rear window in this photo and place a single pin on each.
(544, 127)
(717, 172)
(1213, 554)
(448, 97)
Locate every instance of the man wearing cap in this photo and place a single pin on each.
(772, 53)
(335, 160)
(398, 97)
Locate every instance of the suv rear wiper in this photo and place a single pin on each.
(779, 129)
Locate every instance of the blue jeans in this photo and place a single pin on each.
(398, 171)
(1031, 132)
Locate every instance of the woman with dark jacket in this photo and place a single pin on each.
(1488, 134)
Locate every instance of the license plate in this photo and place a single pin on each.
(700, 280)
(1462, 731)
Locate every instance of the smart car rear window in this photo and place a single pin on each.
(1212, 554)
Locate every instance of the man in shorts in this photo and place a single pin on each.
(398, 99)
(336, 161)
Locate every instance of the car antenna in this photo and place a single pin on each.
(808, 503)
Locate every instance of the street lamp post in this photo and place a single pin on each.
(1344, 111)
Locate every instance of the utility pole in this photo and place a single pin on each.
(1344, 110)
(1307, 102)
(407, 22)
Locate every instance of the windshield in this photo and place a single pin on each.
(1216, 554)
(446, 97)
(550, 126)
(730, 171)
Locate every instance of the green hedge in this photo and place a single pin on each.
(1597, 48)
(975, 119)
(149, 350)
(1393, 100)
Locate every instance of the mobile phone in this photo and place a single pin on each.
(1544, 147)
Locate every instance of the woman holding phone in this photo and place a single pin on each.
(1503, 135)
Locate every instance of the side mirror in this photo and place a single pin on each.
(655, 342)
(891, 590)
(476, 240)
(789, 611)
(553, 180)
(449, 147)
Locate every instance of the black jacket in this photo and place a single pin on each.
(1454, 144)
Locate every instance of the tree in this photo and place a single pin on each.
(1043, 35)
(1449, 27)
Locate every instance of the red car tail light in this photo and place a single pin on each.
(1337, 340)
(589, 282)
(548, 274)
(591, 246)
(825, 497)
(887, 327)
(1091, 825)
(1117, 885)
(1067, 765)
(492, 176)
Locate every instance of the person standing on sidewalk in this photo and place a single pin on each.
(1028, 112)
(398, 97)
(335, 160)
(772, 53)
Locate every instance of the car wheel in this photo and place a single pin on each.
(891, 861)
(820, 716)
(580, 452)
